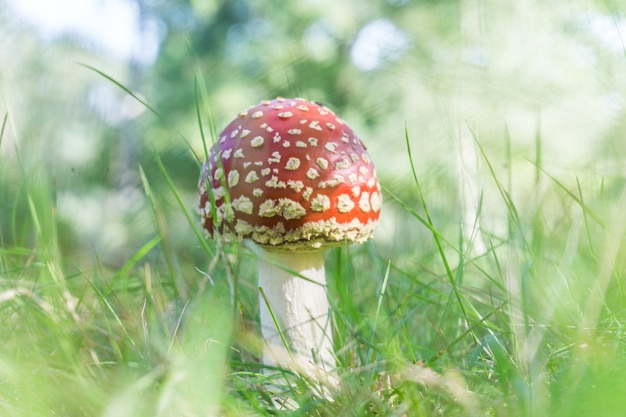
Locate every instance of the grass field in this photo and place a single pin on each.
(423, 326)
(113, 303)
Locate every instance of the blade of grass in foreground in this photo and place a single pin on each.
(143, 103)
(160, 224)
(382, 294)
(126, 90)
(510, 205)
(201, 92)
(143, 251)
(436, 237)
(586, 209)
(420, 218)
(182, 206)
(4, 124)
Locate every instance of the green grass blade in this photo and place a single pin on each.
(4, 124)
(586, 209)
(192, 222)
(145, 104)
(586, 221)
(202, 95)
(143, 251)
(161, 226)
(124, 88)
(420, 218)
(383, 289)
(274, 320)
(506, 196)
(436, 236)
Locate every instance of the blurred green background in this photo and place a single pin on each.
(509, 71)
(515, 116)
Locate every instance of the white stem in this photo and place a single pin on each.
(299, 304)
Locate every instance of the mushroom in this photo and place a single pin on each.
(291, 176)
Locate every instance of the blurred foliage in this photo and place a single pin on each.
(506, 70)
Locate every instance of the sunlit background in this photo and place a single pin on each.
(449, 72)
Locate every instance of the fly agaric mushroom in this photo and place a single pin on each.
(291, 176)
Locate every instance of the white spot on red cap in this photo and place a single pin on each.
(252, 177)
(344, 203)
(257, 141)
(274, 182)
(333, 182)
(375, 202)
(243, 228)
(295, 185)
(233, 178)
(291, 209)
(284, 207)
(364, 202)
(275, 158)
(292, 164)
(243, 204)
(320, 203)
(342, 164)
(315, 125)
(331, 147)
(312, 173)
(322, 162)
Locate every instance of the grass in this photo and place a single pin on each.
(532, 327)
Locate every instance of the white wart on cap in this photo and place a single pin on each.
(289, 174)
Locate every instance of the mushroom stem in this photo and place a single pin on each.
(293, 286)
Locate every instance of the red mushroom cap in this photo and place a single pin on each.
(289, 174)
